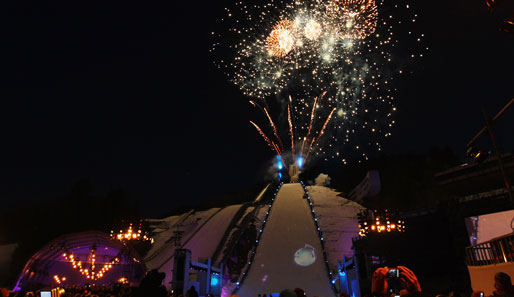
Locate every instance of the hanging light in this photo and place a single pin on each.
(131, 234)
(90, 272)
(379, 222)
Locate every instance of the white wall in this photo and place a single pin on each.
(482, 277)
(491, 225)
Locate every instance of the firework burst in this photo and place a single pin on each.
(282, 39)
(305, 48)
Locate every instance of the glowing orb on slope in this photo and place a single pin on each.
(312, 30)
(281, 40)
(305, 256)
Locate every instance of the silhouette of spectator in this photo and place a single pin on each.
(299, 292)
(503, 285)
(192, 292)
(151, 285)
(287, 293)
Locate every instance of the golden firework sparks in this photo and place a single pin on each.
(312, 30)
(281, 40)
(357, 18)
(304, 47)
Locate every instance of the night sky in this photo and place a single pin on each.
(126, 95)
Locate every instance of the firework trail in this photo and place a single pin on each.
(320, 132)
(325, 124)
(310, 123)
(309, 150)
(274, 128)
(313, 141)
(268, 141)
(290, 128)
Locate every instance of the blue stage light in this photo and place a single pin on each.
(214, 281)
(280, 166)
(299, 161)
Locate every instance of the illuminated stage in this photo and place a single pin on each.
(82, 258)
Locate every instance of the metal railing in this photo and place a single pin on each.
(498, 250)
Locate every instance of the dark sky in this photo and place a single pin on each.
(126, 94)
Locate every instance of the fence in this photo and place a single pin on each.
(498, 250)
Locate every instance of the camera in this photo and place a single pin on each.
(393, 273)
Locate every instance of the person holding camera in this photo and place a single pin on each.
(387, 281)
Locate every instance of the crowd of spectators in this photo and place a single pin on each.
(84, 291)
(407, 285)
(402, 283)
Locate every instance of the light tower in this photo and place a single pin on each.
(294, 172)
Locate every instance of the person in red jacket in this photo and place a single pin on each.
(409, 281)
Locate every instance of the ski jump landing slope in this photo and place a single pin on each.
(287, 248)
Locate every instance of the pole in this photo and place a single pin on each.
(497, 151)
(208, 285)
(494, 119)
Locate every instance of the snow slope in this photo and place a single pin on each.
(337, 218)
(207, 239)
(202, 233)
(289, 232)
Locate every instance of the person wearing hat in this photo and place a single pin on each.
(287, 293)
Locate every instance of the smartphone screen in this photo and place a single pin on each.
(46, 294)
